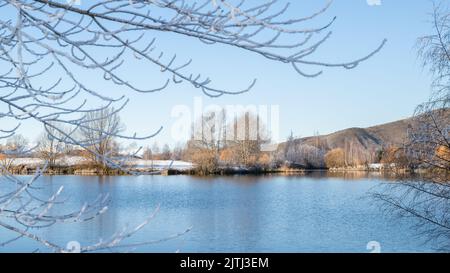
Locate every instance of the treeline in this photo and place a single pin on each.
(101, 150)
(218, 145)
(412, 155)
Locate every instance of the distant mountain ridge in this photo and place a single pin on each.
(362, 144)
(388, 134)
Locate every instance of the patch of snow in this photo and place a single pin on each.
(376, 166)
(135, 163)
(30, 162)
(160, 164)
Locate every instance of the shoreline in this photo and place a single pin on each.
(83, 170)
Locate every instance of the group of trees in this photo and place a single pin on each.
(155, 152)
(14, 147)
(297, 154)
(218, 142)
(391, 157)
(100, 135)
(50, 146)
(211, 148)
(316, 153)
(396, 157)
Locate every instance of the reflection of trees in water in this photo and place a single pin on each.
(106, 224)
(244, 221)
(85, 232)
(319, 175)
(102, 226)
(362, 175)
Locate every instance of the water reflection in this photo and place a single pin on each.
(314, 212)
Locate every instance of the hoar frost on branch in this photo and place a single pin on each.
(428, 144)
(44, 44)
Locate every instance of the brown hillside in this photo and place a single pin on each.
(369, 139)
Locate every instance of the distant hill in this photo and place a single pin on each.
(389, 133)
(375, 137)
(362, 144)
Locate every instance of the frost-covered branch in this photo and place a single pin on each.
(46, 46)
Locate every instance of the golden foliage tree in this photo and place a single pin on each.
(335, 158)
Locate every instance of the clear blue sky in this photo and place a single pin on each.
(382, 89)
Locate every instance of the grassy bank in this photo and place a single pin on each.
(93, 170)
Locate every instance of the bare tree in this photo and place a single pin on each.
(147, 154)
(296, 153)
(309, 156)
(249, 134)
(429, 135)
(100, 133)
(166, 153)
(207, 140)
(428, 200)
(289, 148)
(15, 146)
(50, 148)
(44, 44)
(178, 152)
(155, 149)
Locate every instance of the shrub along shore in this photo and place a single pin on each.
(86, 169)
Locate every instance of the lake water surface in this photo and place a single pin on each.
(312, 213)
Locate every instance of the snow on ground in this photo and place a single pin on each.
(375, 166)
(161, 164)
(64, 161)
(380, 166)
(135, 163)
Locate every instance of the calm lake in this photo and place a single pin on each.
(311, 213)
